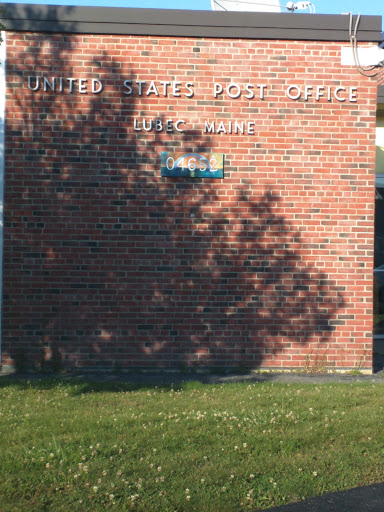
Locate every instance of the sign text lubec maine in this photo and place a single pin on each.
(179, 89)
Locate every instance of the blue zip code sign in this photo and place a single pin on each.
(192, 165)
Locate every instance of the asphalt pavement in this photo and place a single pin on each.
(361, 499)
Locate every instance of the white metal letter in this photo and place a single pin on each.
(95, 83)
(217, 89)
(180, 121)
(336, 93)
(292, 96)
(37, 84)
(233, 86)
(352, 94)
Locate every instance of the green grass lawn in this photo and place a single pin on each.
(72, 446)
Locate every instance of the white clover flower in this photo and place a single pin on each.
(314, 473)
(95, 488)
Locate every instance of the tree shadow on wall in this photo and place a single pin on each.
(248, 293)
(108, 264)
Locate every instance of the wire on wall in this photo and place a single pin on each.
(353, 39)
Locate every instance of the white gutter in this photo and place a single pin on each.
(2, 158)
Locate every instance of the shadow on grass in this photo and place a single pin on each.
(111, 382)
(79, 386)
(122, 383)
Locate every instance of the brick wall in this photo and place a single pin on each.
(108, 264)
(380, 77)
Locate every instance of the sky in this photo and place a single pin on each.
(370, 7)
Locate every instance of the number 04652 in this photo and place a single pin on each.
(192, 165)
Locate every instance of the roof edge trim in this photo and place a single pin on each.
(186, 23)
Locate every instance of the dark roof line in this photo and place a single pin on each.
(184, 23)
